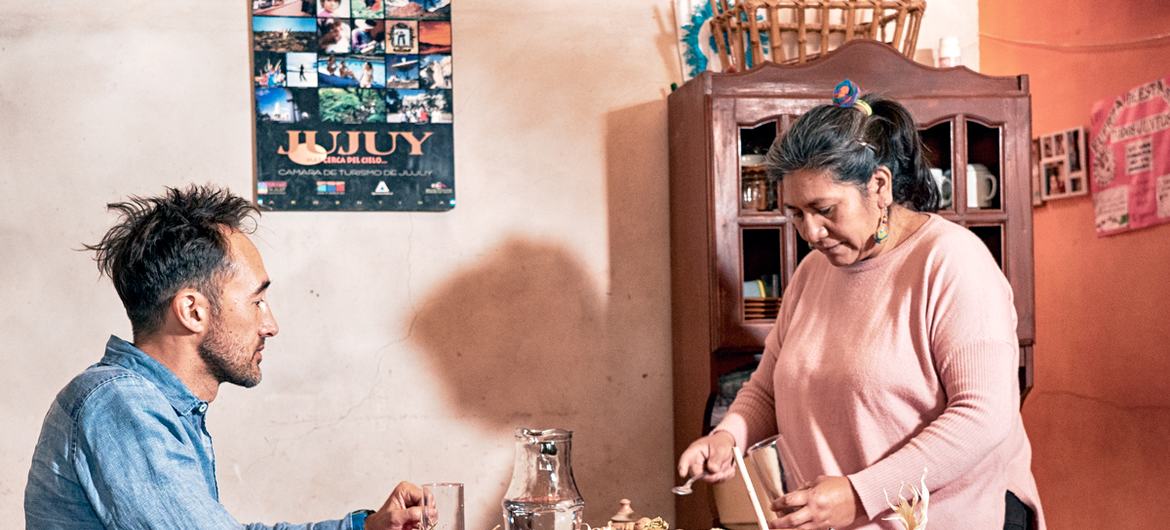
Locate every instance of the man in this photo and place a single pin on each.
(125, 444)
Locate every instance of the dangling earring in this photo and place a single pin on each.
(883, 231)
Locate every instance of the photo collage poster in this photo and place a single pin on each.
(1130, 150)
(353, 104)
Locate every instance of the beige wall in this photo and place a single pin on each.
(411, 344)
(952, 18)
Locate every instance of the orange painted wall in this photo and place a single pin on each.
(1099, 416)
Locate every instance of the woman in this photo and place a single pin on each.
(367, 79)
(895, 353)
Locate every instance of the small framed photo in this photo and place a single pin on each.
(1060, 168)
(1037, 183)
(1055, 179)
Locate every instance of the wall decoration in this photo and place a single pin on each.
(728, 47)
(1130, 145)
(1037, 185)
(1060, 166)
(353, 102)
(696, 47)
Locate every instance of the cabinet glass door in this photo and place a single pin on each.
(992, 236)
(983, 182)
(756, 193)
(938, 139)
(755, 242)
(763, 273)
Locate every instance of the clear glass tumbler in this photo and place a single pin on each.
(446, 498)
(775, 466)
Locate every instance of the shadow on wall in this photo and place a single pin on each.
(522, 337)
(516, 336)
(516, 339)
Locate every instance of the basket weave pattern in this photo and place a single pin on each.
(751, 32)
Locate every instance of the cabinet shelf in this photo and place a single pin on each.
(762, 219)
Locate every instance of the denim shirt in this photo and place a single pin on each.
(125, 445)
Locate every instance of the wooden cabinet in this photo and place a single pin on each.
(732, 248)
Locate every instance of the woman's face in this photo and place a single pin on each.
(836, 218)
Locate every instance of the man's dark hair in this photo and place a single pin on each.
(164, 244)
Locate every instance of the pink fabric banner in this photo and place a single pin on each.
(1130, 146)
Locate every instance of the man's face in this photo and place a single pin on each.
(233, 344)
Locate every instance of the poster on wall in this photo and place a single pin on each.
(1130, 146)
(353, 105)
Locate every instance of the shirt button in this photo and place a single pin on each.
(202, 407)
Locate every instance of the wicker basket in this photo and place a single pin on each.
(751, 32)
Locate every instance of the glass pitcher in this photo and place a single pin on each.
(543, 494)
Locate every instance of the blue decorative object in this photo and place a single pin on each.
(693, 53)
(845, 93)
(696, 60)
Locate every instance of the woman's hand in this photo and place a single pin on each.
(829, 502)
(712, 454)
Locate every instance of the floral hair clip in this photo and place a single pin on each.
(847, 96)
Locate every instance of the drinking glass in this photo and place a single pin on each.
(446, 500)
(773, 463)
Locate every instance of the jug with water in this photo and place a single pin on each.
(543, 493)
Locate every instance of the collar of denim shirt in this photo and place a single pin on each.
(128, 356)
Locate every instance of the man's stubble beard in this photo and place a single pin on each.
(227, 361)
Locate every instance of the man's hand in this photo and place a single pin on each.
(402, 511)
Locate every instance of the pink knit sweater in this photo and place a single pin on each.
(898, 364)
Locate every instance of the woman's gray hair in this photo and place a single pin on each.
(851, 145)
